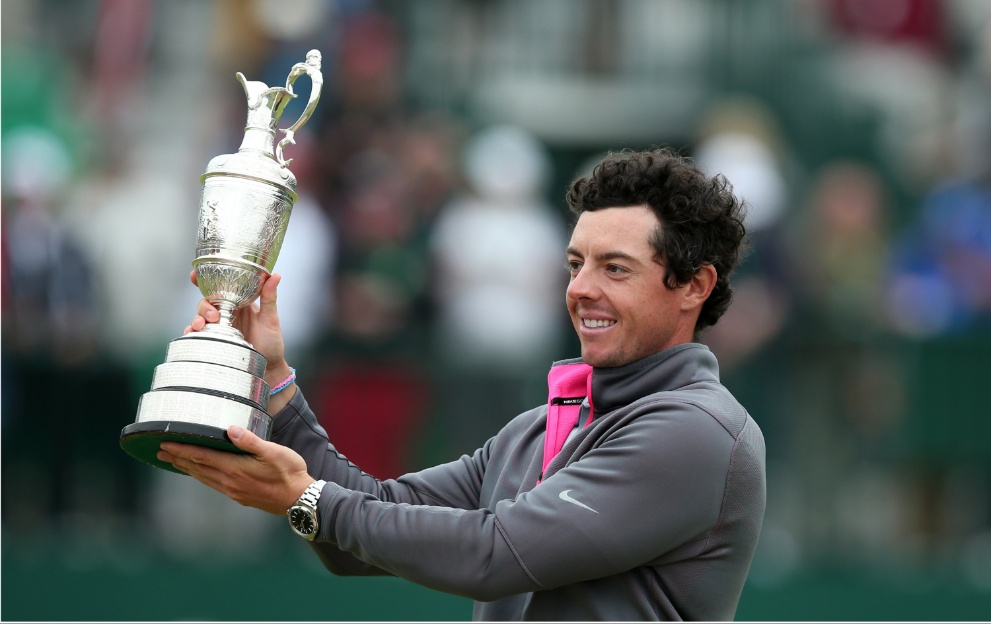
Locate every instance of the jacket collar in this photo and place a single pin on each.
(673, 368)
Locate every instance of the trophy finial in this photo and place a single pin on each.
(314, 59)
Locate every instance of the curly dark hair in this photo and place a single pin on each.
(700, 220)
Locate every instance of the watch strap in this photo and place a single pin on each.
(311, 494)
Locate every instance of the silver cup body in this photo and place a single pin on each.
(242, 224)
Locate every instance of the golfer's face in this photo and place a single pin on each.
(617, 298)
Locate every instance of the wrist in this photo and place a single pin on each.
(278, 373)
(297, 489)
(281, 380)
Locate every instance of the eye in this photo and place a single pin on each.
(573, 266)
(615, 269)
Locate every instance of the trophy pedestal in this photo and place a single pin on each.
(143, 440)
(210, 380)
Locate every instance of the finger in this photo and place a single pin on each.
(192, 277)
(197, 324)
(166, 457)
(193, 454)
(208, 311)
(182, 465)
(269, 295)
(210, 477)
(188, 461)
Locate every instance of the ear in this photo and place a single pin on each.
(699, 288)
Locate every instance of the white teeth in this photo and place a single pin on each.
(597, 323)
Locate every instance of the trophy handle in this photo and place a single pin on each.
(312, 69)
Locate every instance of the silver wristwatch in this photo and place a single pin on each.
(303, 517)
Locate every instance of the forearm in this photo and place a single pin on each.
(451, 550)
(456, 484)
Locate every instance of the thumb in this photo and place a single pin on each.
(245, 440)
(269, 294)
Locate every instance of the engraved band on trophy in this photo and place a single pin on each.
(213, 378)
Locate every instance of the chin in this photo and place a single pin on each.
(612, 359)
(601, 360)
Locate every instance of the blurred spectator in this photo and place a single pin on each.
(941, 273)
(50, 322)
(740, 139)
(498, 282)
(51, 284)
(844, 247)
(497, 252)
(142, 257)
(375, 354)
(919, 23)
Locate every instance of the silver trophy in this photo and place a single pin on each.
(213, 379)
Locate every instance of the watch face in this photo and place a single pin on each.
(302, 520)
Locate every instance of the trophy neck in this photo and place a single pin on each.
(224, 329)
(258, 140)
(264, 110)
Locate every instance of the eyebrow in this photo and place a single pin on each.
(606, 256)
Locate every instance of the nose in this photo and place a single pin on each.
(582, 286)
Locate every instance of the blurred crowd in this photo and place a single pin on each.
(422, 299)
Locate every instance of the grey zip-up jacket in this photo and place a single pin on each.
(650, 512)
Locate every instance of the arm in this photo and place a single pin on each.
(653, 485)
(454, 485)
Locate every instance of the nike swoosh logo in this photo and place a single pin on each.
(567, 498)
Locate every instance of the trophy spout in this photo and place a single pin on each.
(265, 107)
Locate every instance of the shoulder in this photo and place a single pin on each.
(693, 427)
(702, 429)
(700, 401)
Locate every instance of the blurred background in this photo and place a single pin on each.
(423, 293)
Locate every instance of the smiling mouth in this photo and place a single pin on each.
(595, 323)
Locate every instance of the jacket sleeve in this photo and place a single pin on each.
(649, 486)
(455, 484)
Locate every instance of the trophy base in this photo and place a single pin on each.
(142, 440)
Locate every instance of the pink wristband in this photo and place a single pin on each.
(282, 385)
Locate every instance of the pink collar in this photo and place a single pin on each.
(567, 386)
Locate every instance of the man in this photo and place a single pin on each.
(636, 493)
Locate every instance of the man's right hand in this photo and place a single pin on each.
(259, 324)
